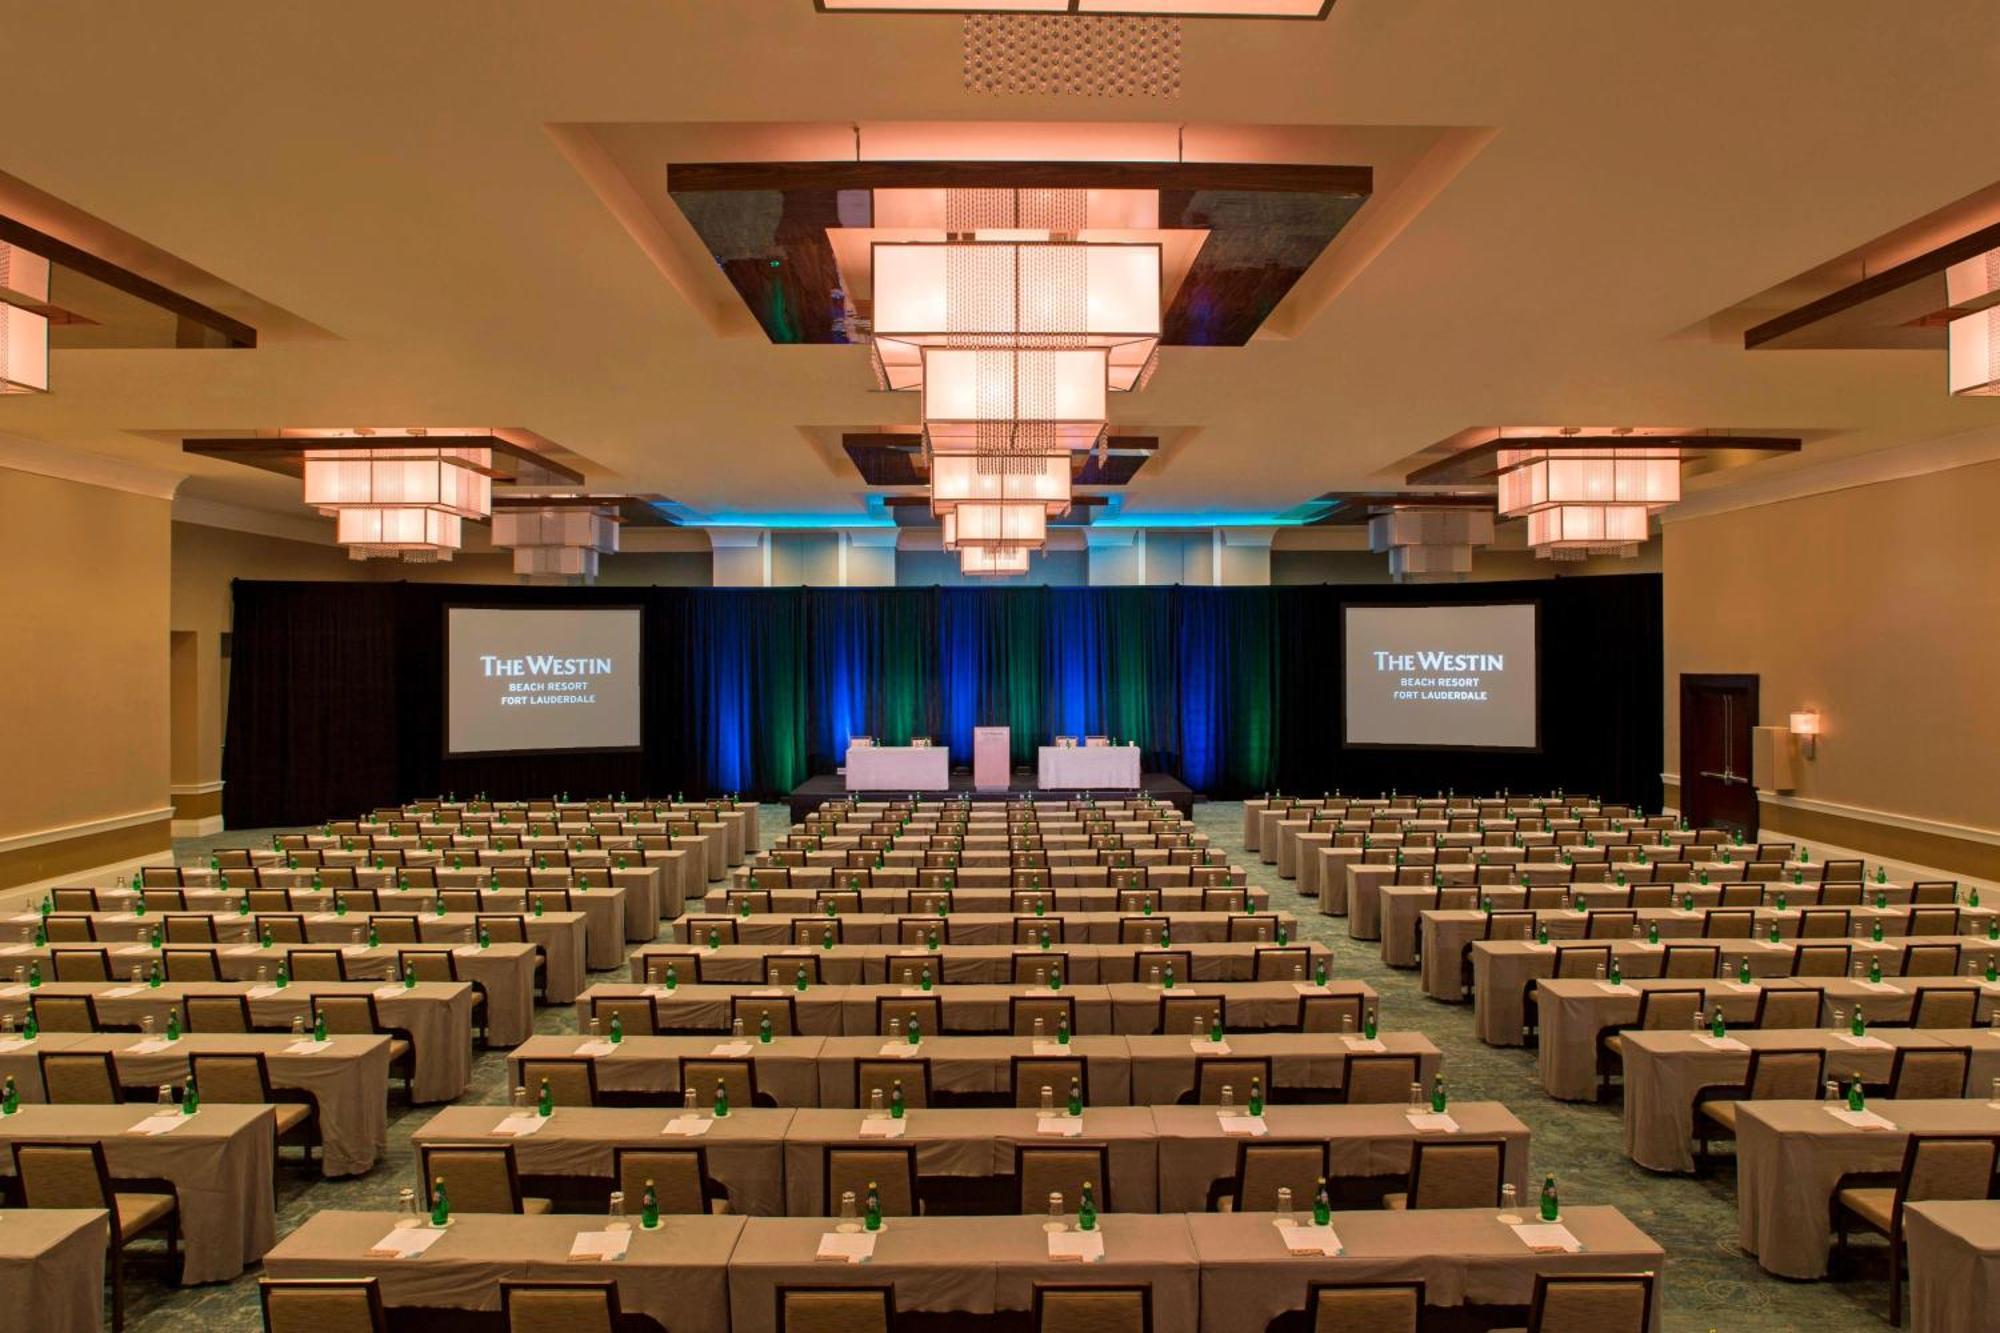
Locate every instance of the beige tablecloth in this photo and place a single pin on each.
(1954, 1264)
(745, 1149)
(219, 1163)
(678, 1274)
(1790, 1157)
(787, 1067)
(52, 1268)
(979, 964)
(349, 1080)
(1163, 1066)
(963, 927)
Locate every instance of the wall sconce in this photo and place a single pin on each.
(1805, 726)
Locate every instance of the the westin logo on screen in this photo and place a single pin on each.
(1431, 661)
(538, 665)
(546, 679)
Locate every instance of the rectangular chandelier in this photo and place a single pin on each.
(413, 534)
(1009, 401)
(1036, 481)
(453, 481)
(556, 540)
(1974, 339)
(992, 559)
(1587, 501)
(24, 334)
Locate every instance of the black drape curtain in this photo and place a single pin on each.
(336, 700)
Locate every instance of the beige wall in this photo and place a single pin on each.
(83, 666)
(1293, 565)
(1878, 605)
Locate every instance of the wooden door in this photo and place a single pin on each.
(1717, 715)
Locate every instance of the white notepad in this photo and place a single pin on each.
(688, 1126)
(1077, 1247)
(1715, 1043)
(1059, 1126)
(1431, 1122)
(1306, 988)
(1860, 1119)
(1370, 1045)
(388, 992)
(307, 1046)
(731, 1050)
(404, 1243)
(150, 1046)
(1548, 1238)
(1049, 1048)
(1304, 1240)
(900, 1050)
(155, 1125)
(1243, 1126)
(599, 1246)
(595, 1046)
(846, 1247)
(120, 992)
(1865, 1043)
(262, 992)
(1203, 1046)
(520, 1124)
(890, 1128)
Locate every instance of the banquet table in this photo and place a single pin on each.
(218, 1160)
(1954, 1263)
(1665, 1071)
(965, 1265)
(1502, 969)
(678, 1274)
(1087, 767)
(348, 1077)
(787, 1068)
(744, 1149)
(1162, 1067)
(1791, 1156)
(1462, 1256)
(965, 927)
(52, 1268)
(988, 964)
(800, 897)
(1575, 1011)
(898, 768)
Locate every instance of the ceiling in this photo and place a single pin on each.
(457, 212)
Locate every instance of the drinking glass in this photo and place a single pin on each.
(1510, 1202)
(849, 1220)
(615, 1218)
(1055, 1222)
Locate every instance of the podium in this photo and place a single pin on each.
(992, 758)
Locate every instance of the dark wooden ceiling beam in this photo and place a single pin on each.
(785, 177)
(234, 331)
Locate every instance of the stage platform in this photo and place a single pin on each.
(810, 794)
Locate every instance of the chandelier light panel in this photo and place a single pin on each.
(1975, 338)
(1429, 543)
(24, 334)
(556, 540)
(992, 559)
(400, 498)
(416, 535)
(1581, 502)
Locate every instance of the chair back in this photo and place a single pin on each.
(1821, 960)
(1251, 928)
(1930, 960)
(80, 1078)
(784, 969)
(1090, 1308)
(1842, 894)
(782, 1010)
(1379, 1080)
(428, 964)
(1728, 925)
(1574, 960)
(504, 928)
(836, 1309)
(62, 928)
(1286, 964)
(350, 1015)
(1784, 1075)
(1934, 892)
(1456, 1175)
(186, 929)
(559, 1307)
(80, 964)
(235, 1079)
(1262, 1169)
(282, 927)
(1946, 1166)
(64, 1013)
(634, 1014)
(1227, 898)
(74, 900)
(1933, 921)
(1787, 1008)
(572, 1080)
(1032, 1073)
(680, 1178)
(1329, 1013)
(477, 1179)
(1510, 925)
(737, 1077)
(1669, 1010)
(315, 965)
(191, 965)
(1052, 1010)
(1182, 1014)
(1592, 1304)
(1609, 925)
(1041, 1171)
(322, 1305)
(395, 928)
(1929, 1073)
(216, 1013)
(1376, 1307)
(1692, 962)
(1824, 923)
(892, 1168)
(1236, 1072)
(885, 1076)
(926, 1011)
(1944, 1007)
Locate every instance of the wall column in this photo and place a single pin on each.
(742, 557)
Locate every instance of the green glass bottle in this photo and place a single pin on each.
(174, 1024)
(440, 1205)
(10, 1097)
(924, 979)
(872, 1218)
(721, 1099)
(673, 978)
(1167, 977)
(545, 1103)
(1551, 1204)
(1437, 1094)
(1215, 1027)
(649, 1208)
(538, 904)
(1858, 1025)
(1856, 1101)
(190, 1097)
(1322, 1205)
(1743, 971)
(31, 1026)
(1055, 978)
(1716, 1027)
(1075, 1106)
(1086, 1209)
(319, 1025)
(1256, 1096)
(1062, 1030)
(283, 977)
(1653, 932)
(764, 1031)
(914, 1032)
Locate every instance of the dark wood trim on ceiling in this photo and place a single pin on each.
(1354, 508)
(1875, 286)
(286, 453)
(234, 331)
(1479, 463)
(1274, 178)
(1138, 10)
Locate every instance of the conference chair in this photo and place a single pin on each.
(635, 1014)
(322, 1305)
(842, 900)
(1377, 1307)
(1774, 1075)
(1053, 1012)
(1224, 899)
(282, 927)
(1930, 960)
(1764, 872)
(913, 1076)
(698, 929)
(1840, 894)
(891, 1168)
(1821, 960)
(907, 972)
(61, 928)
(477, 1178)
(1290, 963)
(1934, 893)
(80, 1078)
(754, 900)
(80, 964)
(1138, 900)
(216, 1013)
(1933, 921)
(441, 965)
(1729, 924)
(1604, 924)
(708, 1074)
(1188, 1013)
(1151, 966)
(1236, 1073)
(572, 1080)
(1674, 872)
(74, 900)
(1328, 1013)
(244, 1079)
(1572, 962)
(1651, 894)
(1250, 928)
(359, 1015)
(1935, 1167)
(559, 1307)
(680, 1178)
(1743, 893)
(75, 1175)
(1842, 871)
(1789, 1007)
(1029, 1074)
(159, 877)
(396, 928)
(1825, 923)
(1031, 929)
(1691, 962)
(65, 1013)
(457, 901)
(1929, 1073)
(836, 1309)
(1265, 1167)
(1024, 902)
(1378, 1079)
(782, 1010)
(1608, 1303)
(1945, 1007)
(273, 892)
(186, 964)
(784, 969)
(1453, 1174)
(1087, 1307)
(317, 965)
(1659, 1011)
(1040, 1171)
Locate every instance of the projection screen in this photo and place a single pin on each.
(528, 681)
(1442, 677)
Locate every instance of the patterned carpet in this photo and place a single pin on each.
(1709, 1284)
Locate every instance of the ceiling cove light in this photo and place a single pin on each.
(557, 541)
(1587, 501)
(393, 496)
(24, 333)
